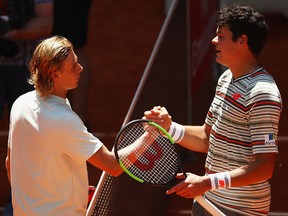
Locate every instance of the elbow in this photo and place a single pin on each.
(269, 175)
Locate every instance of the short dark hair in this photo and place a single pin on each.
(245, 20)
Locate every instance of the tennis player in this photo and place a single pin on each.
(240, 131)
(48, 143)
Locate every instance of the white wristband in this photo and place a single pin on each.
(220, 180)
(176, 131)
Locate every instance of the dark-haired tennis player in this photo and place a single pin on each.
(240, 131)
(48, 143)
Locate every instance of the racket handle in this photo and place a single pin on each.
(212, 209)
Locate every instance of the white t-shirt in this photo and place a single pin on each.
(49, 148)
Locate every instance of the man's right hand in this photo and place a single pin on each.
(160, 116)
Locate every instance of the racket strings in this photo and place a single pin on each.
(159, 163)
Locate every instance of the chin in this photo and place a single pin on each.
(218, 60)
(74, 87)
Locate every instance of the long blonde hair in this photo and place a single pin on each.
(48, 57)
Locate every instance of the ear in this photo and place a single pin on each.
(55, 75)
(242, 40)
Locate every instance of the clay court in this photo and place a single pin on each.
(122, 36)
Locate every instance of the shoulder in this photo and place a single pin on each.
(25, 97)
(262, 87)
(261, 75)
(71, 119)
(262, 82)
(61, 111)
(23, 104)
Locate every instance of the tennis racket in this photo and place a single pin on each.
(149, 155)
(146, 152)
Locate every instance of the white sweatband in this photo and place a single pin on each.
(176, 131)
(220, 180)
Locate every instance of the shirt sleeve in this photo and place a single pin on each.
(75, 141)
(264, 117)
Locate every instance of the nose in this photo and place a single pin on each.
(80, 68)
(215, 40)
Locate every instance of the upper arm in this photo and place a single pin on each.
(261, 169)
(196, 138)
(264, 164)
(207, 130)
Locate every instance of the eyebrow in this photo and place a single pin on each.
(74, 59)
(219, 31)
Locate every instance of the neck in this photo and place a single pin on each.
(59, 93)
(242, 69)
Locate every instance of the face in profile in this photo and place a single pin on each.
(226, 49)
(68, 76)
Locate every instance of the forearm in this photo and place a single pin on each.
(106, 161)
(132, 152)
(195, 139)
(259, 170)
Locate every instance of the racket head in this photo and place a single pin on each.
(158, 163)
